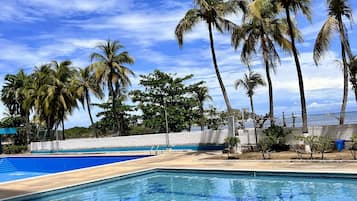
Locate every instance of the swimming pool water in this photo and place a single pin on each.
(203, 186)
(13, 168)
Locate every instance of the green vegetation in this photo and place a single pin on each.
(337, 9)
(231, 143)
(166, 95)
(14, 149)
(44, 98)
(265, 145)
(323, 144)
(277, 135)
(250, 83)
(110, 71)
(262, 28)
(320, 144)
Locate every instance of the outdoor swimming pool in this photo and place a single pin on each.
(13, 168)
(188, 185)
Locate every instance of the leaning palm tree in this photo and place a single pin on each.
(262, 28)
(86, 85)
(110, 70)
(212, 12)
(295, 6)
(337, 9)
(201, 95)
(250, 82)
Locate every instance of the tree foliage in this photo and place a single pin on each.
(167, 93)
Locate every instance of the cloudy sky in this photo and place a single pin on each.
(33, 32)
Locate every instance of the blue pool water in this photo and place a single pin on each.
(13, 168)
(141, 148)
(168, 185)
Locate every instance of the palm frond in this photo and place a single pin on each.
(186, 24)
(323, 38)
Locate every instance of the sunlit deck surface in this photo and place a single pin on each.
(181, 160)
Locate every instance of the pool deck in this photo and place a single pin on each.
(181, 160)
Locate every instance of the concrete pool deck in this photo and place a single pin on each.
(181, 160)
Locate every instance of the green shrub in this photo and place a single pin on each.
(140, 130)
(310, 140)
(231, 142)
(14, 149)
(277, 135)
(265, 144)
(322, 144)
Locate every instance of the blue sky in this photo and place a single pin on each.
(34, 32)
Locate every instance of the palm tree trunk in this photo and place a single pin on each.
(112, 92)
(345, 86)
(202, 124)
(28, 127)
(270, 85)
(299, 73)
(90, 114)
(224, 92)
(253, 113)
(347, 48)
(63, 136)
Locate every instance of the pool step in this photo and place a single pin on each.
(6, 166)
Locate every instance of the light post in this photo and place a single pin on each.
(167, 127)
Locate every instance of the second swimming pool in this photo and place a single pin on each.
(14, 168)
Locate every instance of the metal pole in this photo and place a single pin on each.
(167, 126)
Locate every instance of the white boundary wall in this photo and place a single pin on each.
(185, 138)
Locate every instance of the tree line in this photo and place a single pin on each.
(167, 102)
(53, 90)
(266, 26)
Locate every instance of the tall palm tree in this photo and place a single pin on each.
(86, 84)
(262, 27)
(295, 6)
(110, 70)
(62, 92)
(250, 82)
(337, 9)
(212, 12)
(201, 95)
(43, 78)
(13, 95)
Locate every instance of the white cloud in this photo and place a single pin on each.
(35, 10)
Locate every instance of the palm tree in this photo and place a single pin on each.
(213, 12)
(42, 79)
(201, 95)
(13, 95)
(337, 9)
(250, 82)
(110, 70)
(62, 92)
(86, 84)
(262, 27)
(295, 6)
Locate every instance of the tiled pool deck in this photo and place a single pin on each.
(183, 160)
